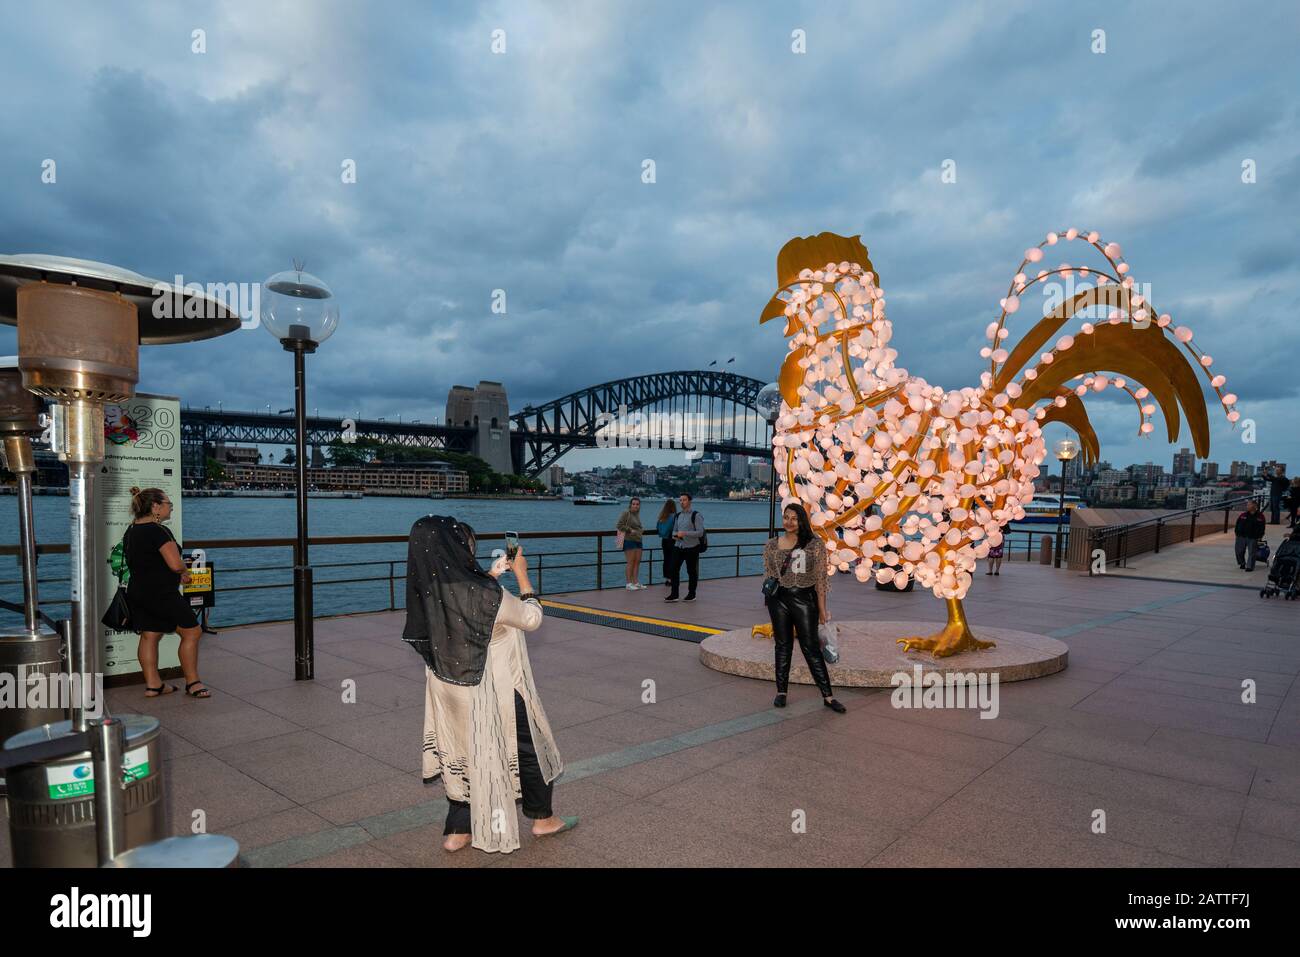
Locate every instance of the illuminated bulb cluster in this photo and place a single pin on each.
(892, 470)
(1139, 310)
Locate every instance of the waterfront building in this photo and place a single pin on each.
(376, 478)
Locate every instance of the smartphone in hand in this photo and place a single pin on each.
(512, 545)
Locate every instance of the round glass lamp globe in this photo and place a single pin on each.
(1066, 449)
(299, 306)
(768, 402)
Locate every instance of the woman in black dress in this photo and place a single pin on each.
(153, 593)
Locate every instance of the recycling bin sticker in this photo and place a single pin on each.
(78, 780)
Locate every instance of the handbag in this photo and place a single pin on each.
(618, 539)
(771, 584)
(118, 615)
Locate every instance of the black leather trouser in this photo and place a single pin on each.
(536, 792)
(794, 611)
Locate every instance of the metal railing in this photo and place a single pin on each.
(729, 554)
(1118, 543)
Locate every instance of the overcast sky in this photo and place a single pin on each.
(523, 171)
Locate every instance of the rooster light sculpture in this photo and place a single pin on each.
(918, 480)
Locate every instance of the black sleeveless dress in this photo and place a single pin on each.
(152, 593)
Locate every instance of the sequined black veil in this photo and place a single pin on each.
(451, 602)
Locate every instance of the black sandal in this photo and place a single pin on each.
(201, 693)
(160, 691)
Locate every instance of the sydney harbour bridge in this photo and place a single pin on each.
(696, 411)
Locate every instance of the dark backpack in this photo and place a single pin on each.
(704, 539)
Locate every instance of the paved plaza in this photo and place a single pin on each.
(1146, 723)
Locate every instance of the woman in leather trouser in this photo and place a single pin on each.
(797, 559)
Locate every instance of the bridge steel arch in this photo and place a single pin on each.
(541, 434)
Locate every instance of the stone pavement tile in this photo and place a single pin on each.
(966, 722)
(281, 825)
(1061, 688)
(724, 750)
(972, 828)
(1278, 818)
(1226, 665)
(383, 654)
(556, 851)
(1249, 657)
(237, 675)
(1072, 807)
(913, 851)
(1090, 746)
(1166, 711)
(1118, 785)
(325, 666)
(1264, 850)
(1251, 754)
(622, 692)
(588, 798)
(250, 640)
(311, 703)
(647, 835)
(1192, 682)
(1123, 727)
(960, 736)
(828, 836)
(873, 758)
(558, 664)
(388, 691)
(1277, 784)
(892, 800)
(225, 794)
(566, 710)
(304, 766)
(580, 742)
(633, 727)
(363, 855)
(713, 705)
(172, 745)
(394, 737)
(647, 777)
(391, 793)
(221, 721)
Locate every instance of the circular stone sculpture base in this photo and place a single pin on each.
(870, 655)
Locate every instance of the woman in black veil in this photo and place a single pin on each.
(485, 731)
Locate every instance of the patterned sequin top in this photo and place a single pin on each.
(810, 572)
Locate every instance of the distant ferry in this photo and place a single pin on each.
(1044, 508)
(597, 500)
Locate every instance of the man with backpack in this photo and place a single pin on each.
(689, 541)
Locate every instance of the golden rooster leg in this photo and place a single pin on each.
(954, 638)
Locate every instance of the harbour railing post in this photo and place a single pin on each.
(600, 561)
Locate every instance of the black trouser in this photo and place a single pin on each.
(1245, 548)
(691, 556)
(669, 548)
(1275, 506)
(794, 610)
(536, 792)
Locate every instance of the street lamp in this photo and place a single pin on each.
(1065, 450)
(300, 311)
(768, 404)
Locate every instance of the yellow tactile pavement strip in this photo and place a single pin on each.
(624, 616)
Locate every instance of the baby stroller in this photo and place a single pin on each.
(1283, 573)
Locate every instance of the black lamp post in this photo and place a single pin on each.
(768, 404)
(1066, 449)
(300, 311)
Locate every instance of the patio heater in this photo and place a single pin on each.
(34, 649)
(768, 404)
(80, 326)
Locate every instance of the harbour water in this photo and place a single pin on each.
(337, 590)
